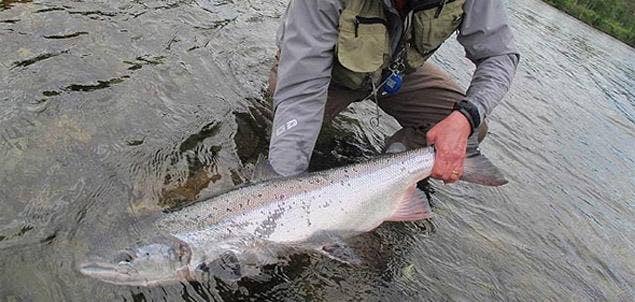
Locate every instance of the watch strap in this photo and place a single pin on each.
(470, 112)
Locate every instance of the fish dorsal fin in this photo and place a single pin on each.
(263, 170)
(412, 206)
(479, 170)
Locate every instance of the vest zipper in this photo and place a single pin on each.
(438, 13)
(367, 20)
(424, 5)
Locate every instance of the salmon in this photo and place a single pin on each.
(233, 233)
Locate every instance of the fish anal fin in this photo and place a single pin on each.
(479, 170)
(412, 206)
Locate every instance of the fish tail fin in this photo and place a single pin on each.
(479, 170)
(412, 206)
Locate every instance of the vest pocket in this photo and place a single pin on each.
(433, 25)
(362, 43)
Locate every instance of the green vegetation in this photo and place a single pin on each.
(6, 4)
(614, 17)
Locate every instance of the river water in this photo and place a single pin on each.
(112, 111)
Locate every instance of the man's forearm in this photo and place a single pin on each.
(488, 41)
(307, 42)
(491, 81)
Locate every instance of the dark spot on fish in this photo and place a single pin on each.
(259, 195)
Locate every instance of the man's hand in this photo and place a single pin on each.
(449, 137)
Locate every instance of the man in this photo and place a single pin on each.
(335, 52)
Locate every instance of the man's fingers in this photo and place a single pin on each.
(448, 170)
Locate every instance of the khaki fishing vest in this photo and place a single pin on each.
(363, 44)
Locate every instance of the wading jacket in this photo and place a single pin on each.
(350, 43)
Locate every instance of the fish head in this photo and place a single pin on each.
(151, 264)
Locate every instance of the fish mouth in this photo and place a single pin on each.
(124, 274)
(119, 274)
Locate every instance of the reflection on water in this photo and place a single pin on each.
(112, 112)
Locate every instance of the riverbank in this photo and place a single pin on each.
(614, 17)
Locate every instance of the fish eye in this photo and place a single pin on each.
(124, 256)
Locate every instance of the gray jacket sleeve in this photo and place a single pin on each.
(488, 41)
(307, 40)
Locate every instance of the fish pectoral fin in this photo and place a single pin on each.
(226, 267)
(479, 170)
(263, 170)
(413, 205)
(340, 252)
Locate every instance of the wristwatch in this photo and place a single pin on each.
(470, 112)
